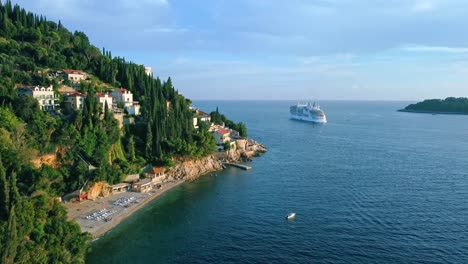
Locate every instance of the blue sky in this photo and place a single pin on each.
(272, 49)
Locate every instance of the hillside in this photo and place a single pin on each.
(35, 52)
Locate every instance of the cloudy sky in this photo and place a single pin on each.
(276, 49)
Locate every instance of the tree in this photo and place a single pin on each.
(131, 148)
(4, 193)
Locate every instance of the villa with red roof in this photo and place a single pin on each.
(74, 75)
(222, 136)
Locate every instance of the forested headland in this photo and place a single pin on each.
(33, 224)
(450, 105)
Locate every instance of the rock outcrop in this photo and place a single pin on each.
(98, 189)
(193, 169)
(243, 150)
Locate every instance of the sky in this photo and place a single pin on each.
(277, 49)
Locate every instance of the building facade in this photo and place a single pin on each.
(45, 96)
(142, 186)
(103, 98)
(74, 101)
(74, 76)
(222, 136)
(125, 97)
(148, 71)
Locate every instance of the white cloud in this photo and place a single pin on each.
(162, 29)
(437, 49)
(424, 5)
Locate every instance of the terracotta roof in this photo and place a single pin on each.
(157, 170)
(223, 131)
(73, 71)
(102, 94)
(122, 90)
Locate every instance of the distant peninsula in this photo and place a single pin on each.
(451, 105)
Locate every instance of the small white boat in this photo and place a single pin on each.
(291, 216)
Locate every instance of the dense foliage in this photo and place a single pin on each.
(449, 105)
(33, 225)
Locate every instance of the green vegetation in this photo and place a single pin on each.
(449, 105)
(220, 119)
(33, 225)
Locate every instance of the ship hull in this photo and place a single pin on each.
(309, 119)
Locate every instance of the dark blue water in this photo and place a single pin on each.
(371, 186)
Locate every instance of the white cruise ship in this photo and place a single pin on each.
(308, 112)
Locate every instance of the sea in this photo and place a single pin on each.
(373, 185)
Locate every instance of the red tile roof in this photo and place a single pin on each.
(102, 94)
(157, 170)
(73, 71)
(223, 131)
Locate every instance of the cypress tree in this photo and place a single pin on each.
(149, 142)
(4, 195)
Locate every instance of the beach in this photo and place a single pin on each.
(101, 215)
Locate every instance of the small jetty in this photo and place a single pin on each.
(240, 166)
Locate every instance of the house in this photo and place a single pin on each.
(142, 186)
(119, 188)
(203, 116)
(103, 98)
(134, 109)
(156, 174)
(125, 97)
(148, 71)
(74, 100)
(45, 96)
(74, 76)
(222, 136)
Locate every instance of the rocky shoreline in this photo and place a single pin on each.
(187, 170)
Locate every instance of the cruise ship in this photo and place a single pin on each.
(308, 112)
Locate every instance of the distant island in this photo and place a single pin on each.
(450, 105)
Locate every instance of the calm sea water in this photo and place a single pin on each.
(371, 186)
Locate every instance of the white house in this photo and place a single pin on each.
(45, 96)
(222, 136)
(74, 75)
(204, 116)
(103, 98)
(75, 100)
(148, 71)
(125, 97)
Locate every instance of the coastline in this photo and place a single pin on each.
(188, 170)
(431, 112)
(79, 211)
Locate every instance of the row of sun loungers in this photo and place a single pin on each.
(124, 201)
(101, 215)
